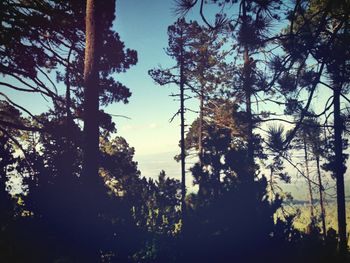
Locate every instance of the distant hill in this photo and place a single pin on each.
(151, 164)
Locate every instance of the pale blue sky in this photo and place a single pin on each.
(142, 25)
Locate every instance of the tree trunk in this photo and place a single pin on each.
(323, 211)
(311, 199)
(202, 189)
(68, 165)
(248, 92)
(200, 128)
(182, 144)
(339, 172)
(68, 89)
(90, 177)
(91, 98)
(250, 193)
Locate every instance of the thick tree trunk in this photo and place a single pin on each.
(90, 178)
(339, 172)
(307, 171)
(320, 189)
(91, 98)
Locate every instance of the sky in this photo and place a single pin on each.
(142, 26)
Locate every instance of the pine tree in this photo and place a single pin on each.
(310, 39)
(179, 41)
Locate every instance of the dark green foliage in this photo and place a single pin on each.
(319, 34)
(232, 218)
(50, 36)
(7, 205)
(222, 225)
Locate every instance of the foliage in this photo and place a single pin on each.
(226, 65)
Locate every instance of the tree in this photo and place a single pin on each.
(179, 40)
(318, 151)
(7, 207)
(317, 28)
(250, 32)
(303, 141)
(122, 209)
(310, 136)
(51, 36)
(54, 37)
(209, 71)
(93, 25)
(205, 76)
(219, 114)
(222, 226)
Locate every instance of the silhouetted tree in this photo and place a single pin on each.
(54, 36)
(310, 39)
(179, 41)
(7, 205)
(302, 141)
(317, 144)
(222, 226)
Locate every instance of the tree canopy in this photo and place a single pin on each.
(270, 83)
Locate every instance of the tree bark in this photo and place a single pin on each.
(320, 185)
(248, 92)
(91, 96)
(182, 144)
(200, 128)
(250, 193)
(339, 172)
(69, 121)
(89, 193)
(311, 199)
(202, 189)
(68, 90)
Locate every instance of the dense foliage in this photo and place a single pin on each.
(50, 211)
